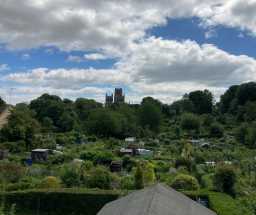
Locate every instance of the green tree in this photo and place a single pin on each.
(185, 182)
(202, 101)
(225, 179)
(190, 122)
(70, 175)
(99, 177)
(150, 116)
(149, 176)
(138, 177)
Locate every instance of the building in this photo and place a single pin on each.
(116, 166)
(40, 155)
(117, 98)
(124, 151)
(109, 99)
(145, 152)
(155, 200)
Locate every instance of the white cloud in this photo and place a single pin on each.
(4, 67)
(92, 57)
(165, 69)
(95, 56)
(75, 59)
(112, 26)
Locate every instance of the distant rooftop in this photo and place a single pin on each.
(155, 200)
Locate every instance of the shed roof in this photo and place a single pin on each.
(155, 200)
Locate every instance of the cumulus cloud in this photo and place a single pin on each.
(108, 25)
(163, 68)
(118, 29)
(92, 57)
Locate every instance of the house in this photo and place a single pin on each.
(40, 155)
(130, 140)
(155, 200)
(144, 152)
(116, 166)
(3, 154)
(124, 151)
(210, 163)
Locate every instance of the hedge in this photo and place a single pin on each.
(60, 202)
(221, 203)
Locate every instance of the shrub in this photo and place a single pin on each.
(138, 177)
(127, 183)
(224, 179)
(99, 177)
(11, 172)
(185, 182)
(61, 201)
(50, 182)
(70, 176)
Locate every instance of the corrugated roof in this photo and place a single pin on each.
(155, 200)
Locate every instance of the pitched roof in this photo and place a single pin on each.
(155, 200)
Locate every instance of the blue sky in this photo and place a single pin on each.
(160, 49)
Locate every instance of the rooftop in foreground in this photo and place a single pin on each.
(155, 200)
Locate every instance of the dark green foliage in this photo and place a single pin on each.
(228, 99)
(71, 176)
(216, 130)
(105, 123)
(21, 126)
(61, 202)
(150, 115)
(202, 101)
(225, 179)
(138, 177)
(185, 182)
(2, 104)
(190, 122)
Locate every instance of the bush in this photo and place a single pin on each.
(11, 172)
(185, 182)
(60, 202)
(99, 177)
(224, 179)
(50, 182)
(190, 122)
(70, 176)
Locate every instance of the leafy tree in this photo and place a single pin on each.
(105, 123)
(185, 182)
(246, 92)
(225, 179)
(21, 126)
(150, 116)
(202, 101)
(228, 98)
(99, 177)
(190, 122)
(138, 177)
(85, 106)
(149, 176)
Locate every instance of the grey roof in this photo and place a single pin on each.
(155, 200)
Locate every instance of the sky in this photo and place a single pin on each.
(163, 49)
